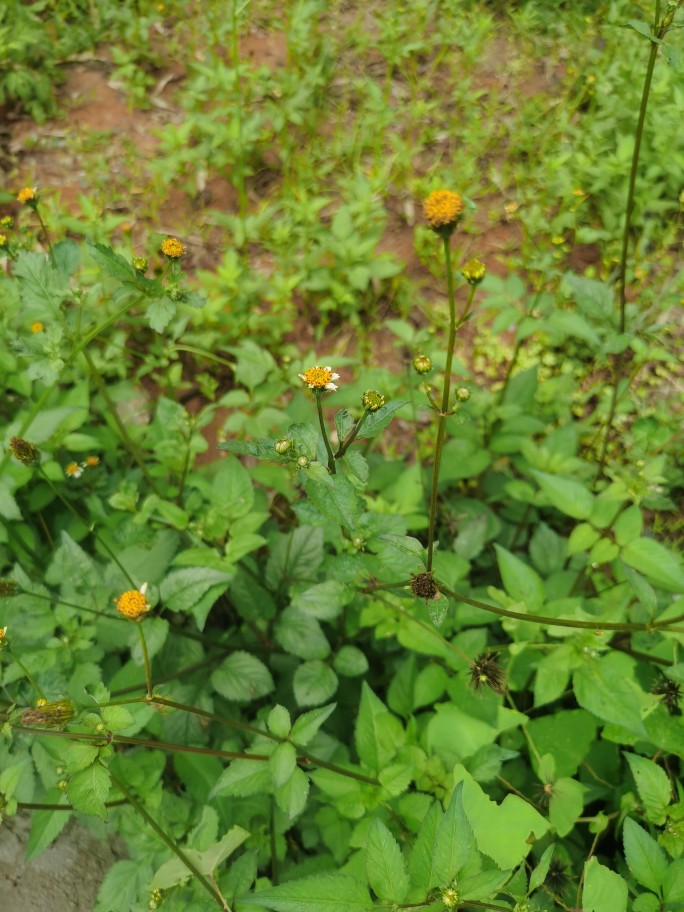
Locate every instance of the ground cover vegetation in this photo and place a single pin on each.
(339, 499)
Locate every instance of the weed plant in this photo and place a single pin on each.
(410, 637)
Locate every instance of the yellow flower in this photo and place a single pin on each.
(28, 195)
(37, 327)
(442, 210)
(319, 378)
(474, 272)
(7, 221)
(92, 461)
(133, 604)
(73, 470)
(172, 248)
(3, 241)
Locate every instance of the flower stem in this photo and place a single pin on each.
(171, 843)
(351, 437)
(23, 667)
(46, 234)
(146, 660)
(324, 431)
(446, 391)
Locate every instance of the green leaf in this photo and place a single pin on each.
(301, 635)
(378, 421)
(46, 825)
(422, 860)
(454, 842)
(243, 778)
(295, 556)
(673, 885)
(314, 682)
(9, 509)
(292, 795)
(643, 28)
(232, 492)
(566, 805)
(538, 875)
(175, 871)
(242, 677)
(279, 722)
(334, 496)
(306, 726)
(653, 786)
(605, 688)
(88, 790)
(253, 365)
(656, 562)
(644, 857)
(112, 263)
(378, 733)
(321, 893)
(282, 763)
(160, 312)
(344, 422)
(42, 285)
(324, 600)
(565, 494)
(193, 590)
(350, 662)
(521, 582)
(122, 884)
(385, 864)
(604, 890)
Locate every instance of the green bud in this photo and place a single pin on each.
(463, 394)
(422, 364)
(372, 400)
(282, 446)
(474, 272)
(140, 264)
(302, 462)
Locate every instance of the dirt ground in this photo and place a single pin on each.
(64, 878)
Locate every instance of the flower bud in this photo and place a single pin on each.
(372, 400)
(449, 898)
(474, 272)
(302, 462)
(422, 364)
(463, 394)
(282, 446)
(140, 264)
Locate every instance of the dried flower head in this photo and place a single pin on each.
(25, 452)
(442, 210)
(49, 714)
(282, 446)
(422, 364)
(133, 604)
(670, 693)
(8, 588)
(172, 248)
(37, 327)
(73, 470)
(423, 586)
(474, 272)
(140, 264)
(485, 671)
(6, 221)
(319, 378)
(28, 196)
(372, 401)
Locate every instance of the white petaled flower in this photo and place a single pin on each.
(320, 378)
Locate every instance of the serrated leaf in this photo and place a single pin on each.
(385, 864)
(42, 285)
(243, 778)
(644, 857)
(160, 312)
(569, 496)
(334, 496)
(88, 790)
(292, 795)
(279, 722)
(454, 842)
(378, 421)
(242, 677)
(344, 422)
(378, 734)
(538, 876)
(422, 859)
(282, 763)
(521, 582)
(193, 590)
(306, 726)
(46, 825)
(603, 889)
(314, 682)
(320, 893)
(350, 662)
(656, 562)
(295, 556)
(301, 635)
(112, 263)
(653, 786)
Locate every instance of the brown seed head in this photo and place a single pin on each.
(486, 672)
(49, 714)
(423, 586)
(25, 452)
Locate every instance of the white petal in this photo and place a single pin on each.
(330, 386)
(301, 377)
(335, 376)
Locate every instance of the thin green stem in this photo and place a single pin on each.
(126, 438)
(324, 431)
(38, 806)
(46, 233)
(146, 659)
(180, 673)
(171, 843)
(446, 392)
(210, 356)
(27, 674)
(351, 437)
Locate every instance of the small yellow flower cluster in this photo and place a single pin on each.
(320, 378)
(75, 469)
(172, 248)
(28, 196)
(133, 604)
(442, 210)
(37, 327)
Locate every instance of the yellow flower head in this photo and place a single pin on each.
(6, 221)
(73, 470)
(3, 241)
(320, 378)
(474, 272)
(28, 195)
(442, 210)
(172, 248)
(37, 327)
(133, 604)
(3, 634)
(92, 461)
